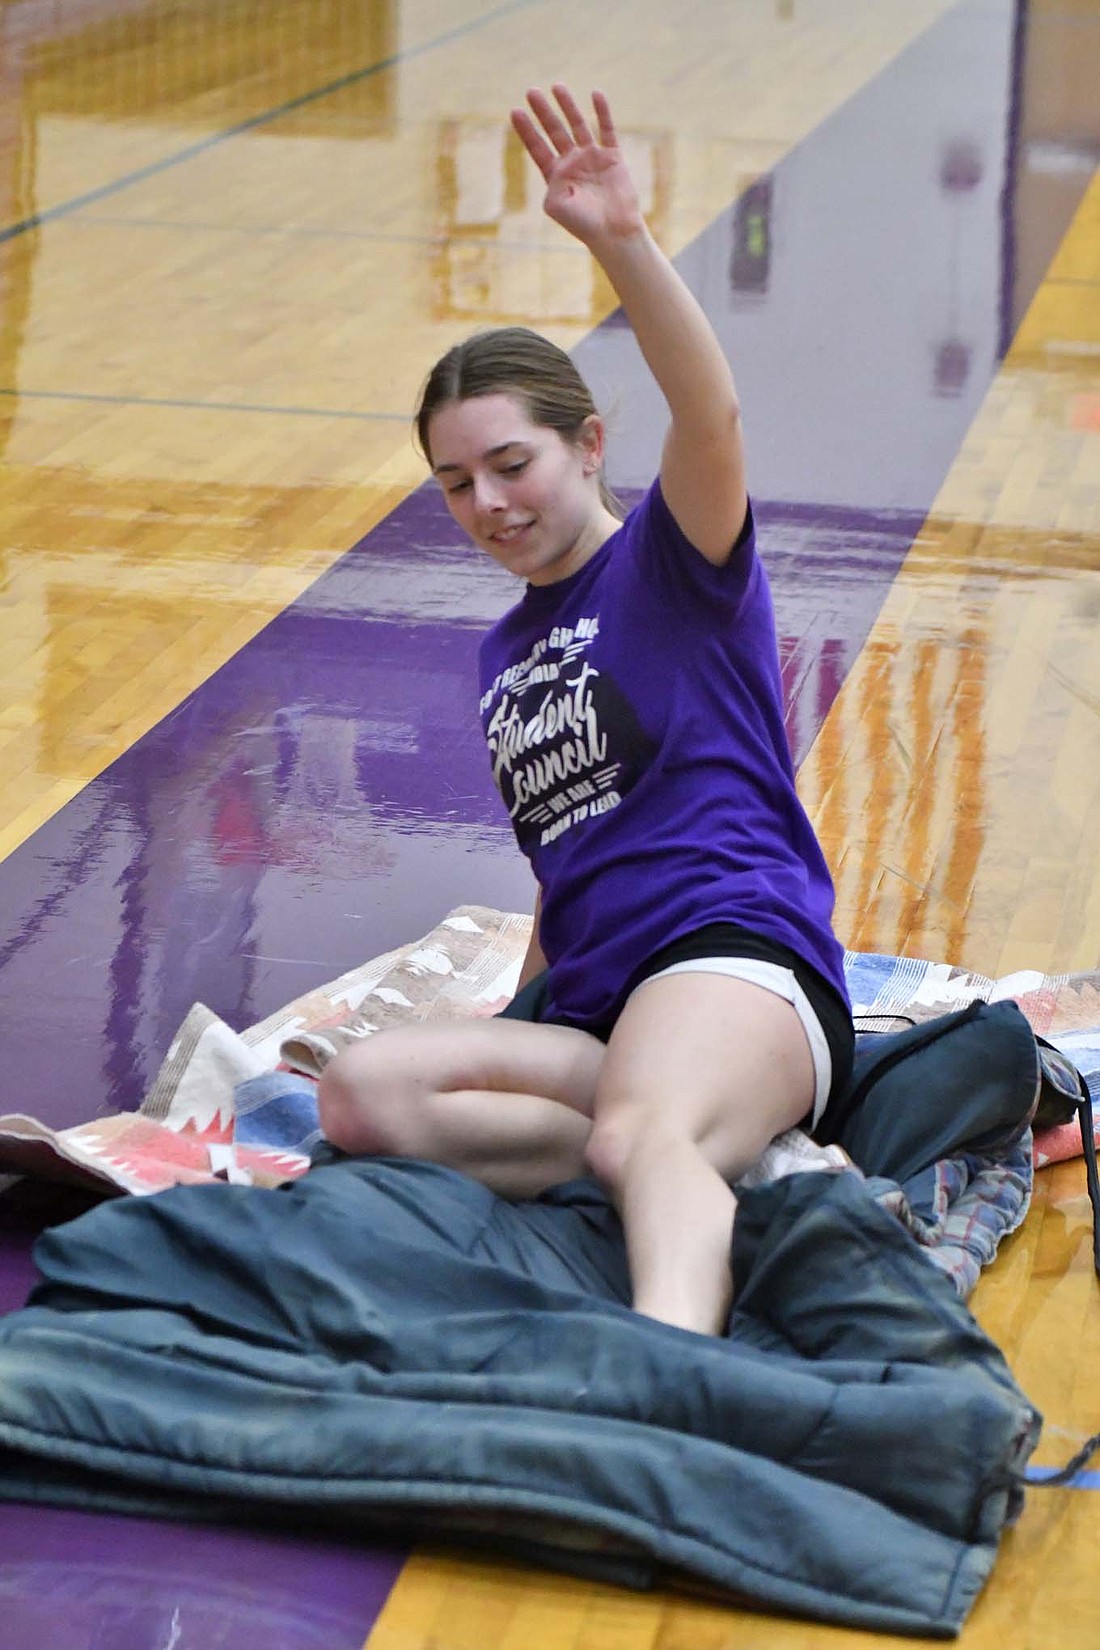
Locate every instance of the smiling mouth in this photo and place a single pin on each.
(505, 535)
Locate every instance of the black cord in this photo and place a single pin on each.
(1066, 1474)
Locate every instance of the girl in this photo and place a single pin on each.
(684, 994)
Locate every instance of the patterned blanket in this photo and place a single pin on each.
(240, 1107)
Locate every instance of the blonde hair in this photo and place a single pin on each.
(513, 361)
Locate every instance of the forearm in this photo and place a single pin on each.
(589, 191)
(674, 335)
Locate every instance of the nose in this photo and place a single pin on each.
(489, 493)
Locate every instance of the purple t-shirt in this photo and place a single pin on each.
(634, 717)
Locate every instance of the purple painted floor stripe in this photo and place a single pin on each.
(325, 796)
(70, 1578)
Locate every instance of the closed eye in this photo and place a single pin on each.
(514, 469)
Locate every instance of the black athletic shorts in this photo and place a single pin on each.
(717, 939)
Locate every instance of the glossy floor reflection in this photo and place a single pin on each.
(237, 744)
(73, 1581)
(322, 795)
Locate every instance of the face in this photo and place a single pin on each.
(527, 497)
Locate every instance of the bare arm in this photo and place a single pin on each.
(591, 194)
(534, 962)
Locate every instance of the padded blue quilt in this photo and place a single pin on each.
(389, 1348)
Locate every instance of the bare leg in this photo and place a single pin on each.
(701, 1072)
(507, 1102)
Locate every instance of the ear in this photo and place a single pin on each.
(591, 442)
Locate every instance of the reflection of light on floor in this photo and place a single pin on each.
(952, 784)
(497, 263)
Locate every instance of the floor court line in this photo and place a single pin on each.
(201, 406)
(647, 1635)
(301, 232)
(281, 652)
(254, 122)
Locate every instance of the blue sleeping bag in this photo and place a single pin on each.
(389, 1348)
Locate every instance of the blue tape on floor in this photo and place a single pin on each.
(1083, 1480)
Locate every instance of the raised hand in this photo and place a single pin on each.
(589, 190)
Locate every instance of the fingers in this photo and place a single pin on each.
(563, 135)
(551, 122)
(571, 109)
(608, 136)
(534, 142)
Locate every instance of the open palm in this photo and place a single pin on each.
(589, 190)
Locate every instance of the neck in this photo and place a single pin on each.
(596, 533)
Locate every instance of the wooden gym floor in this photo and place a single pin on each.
(235, 758)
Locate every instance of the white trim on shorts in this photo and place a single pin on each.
(773, 977)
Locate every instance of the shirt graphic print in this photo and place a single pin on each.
(564, 742)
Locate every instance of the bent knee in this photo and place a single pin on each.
(612, 1144)
(358, 1115)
